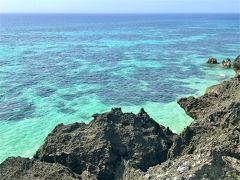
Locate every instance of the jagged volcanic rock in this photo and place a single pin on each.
(217, 121)
(102, 146)
(210, 147)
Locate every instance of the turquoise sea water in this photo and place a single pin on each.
(64, 68)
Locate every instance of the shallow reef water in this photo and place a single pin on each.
(64, 68)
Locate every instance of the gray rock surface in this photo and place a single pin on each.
(18, 168)
(210, 147)
(216, 125)
(210, 166)
(102, 146)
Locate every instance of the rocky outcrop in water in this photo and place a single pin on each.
(117, 145)
(227, 63)
(212, 60)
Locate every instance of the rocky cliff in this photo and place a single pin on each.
(117, 145)
(210, 147)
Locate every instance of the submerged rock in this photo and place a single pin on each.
(212, 60)
(227, 63)
(102, 146)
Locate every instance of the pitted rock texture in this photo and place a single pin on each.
(210, 147)
(101, 146)
(216, 124)
(18, 168)
(210, 166)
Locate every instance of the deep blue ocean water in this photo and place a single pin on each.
(64, 68)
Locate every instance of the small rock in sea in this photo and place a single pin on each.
(236, 65)
(227, 63)
(212, 60)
